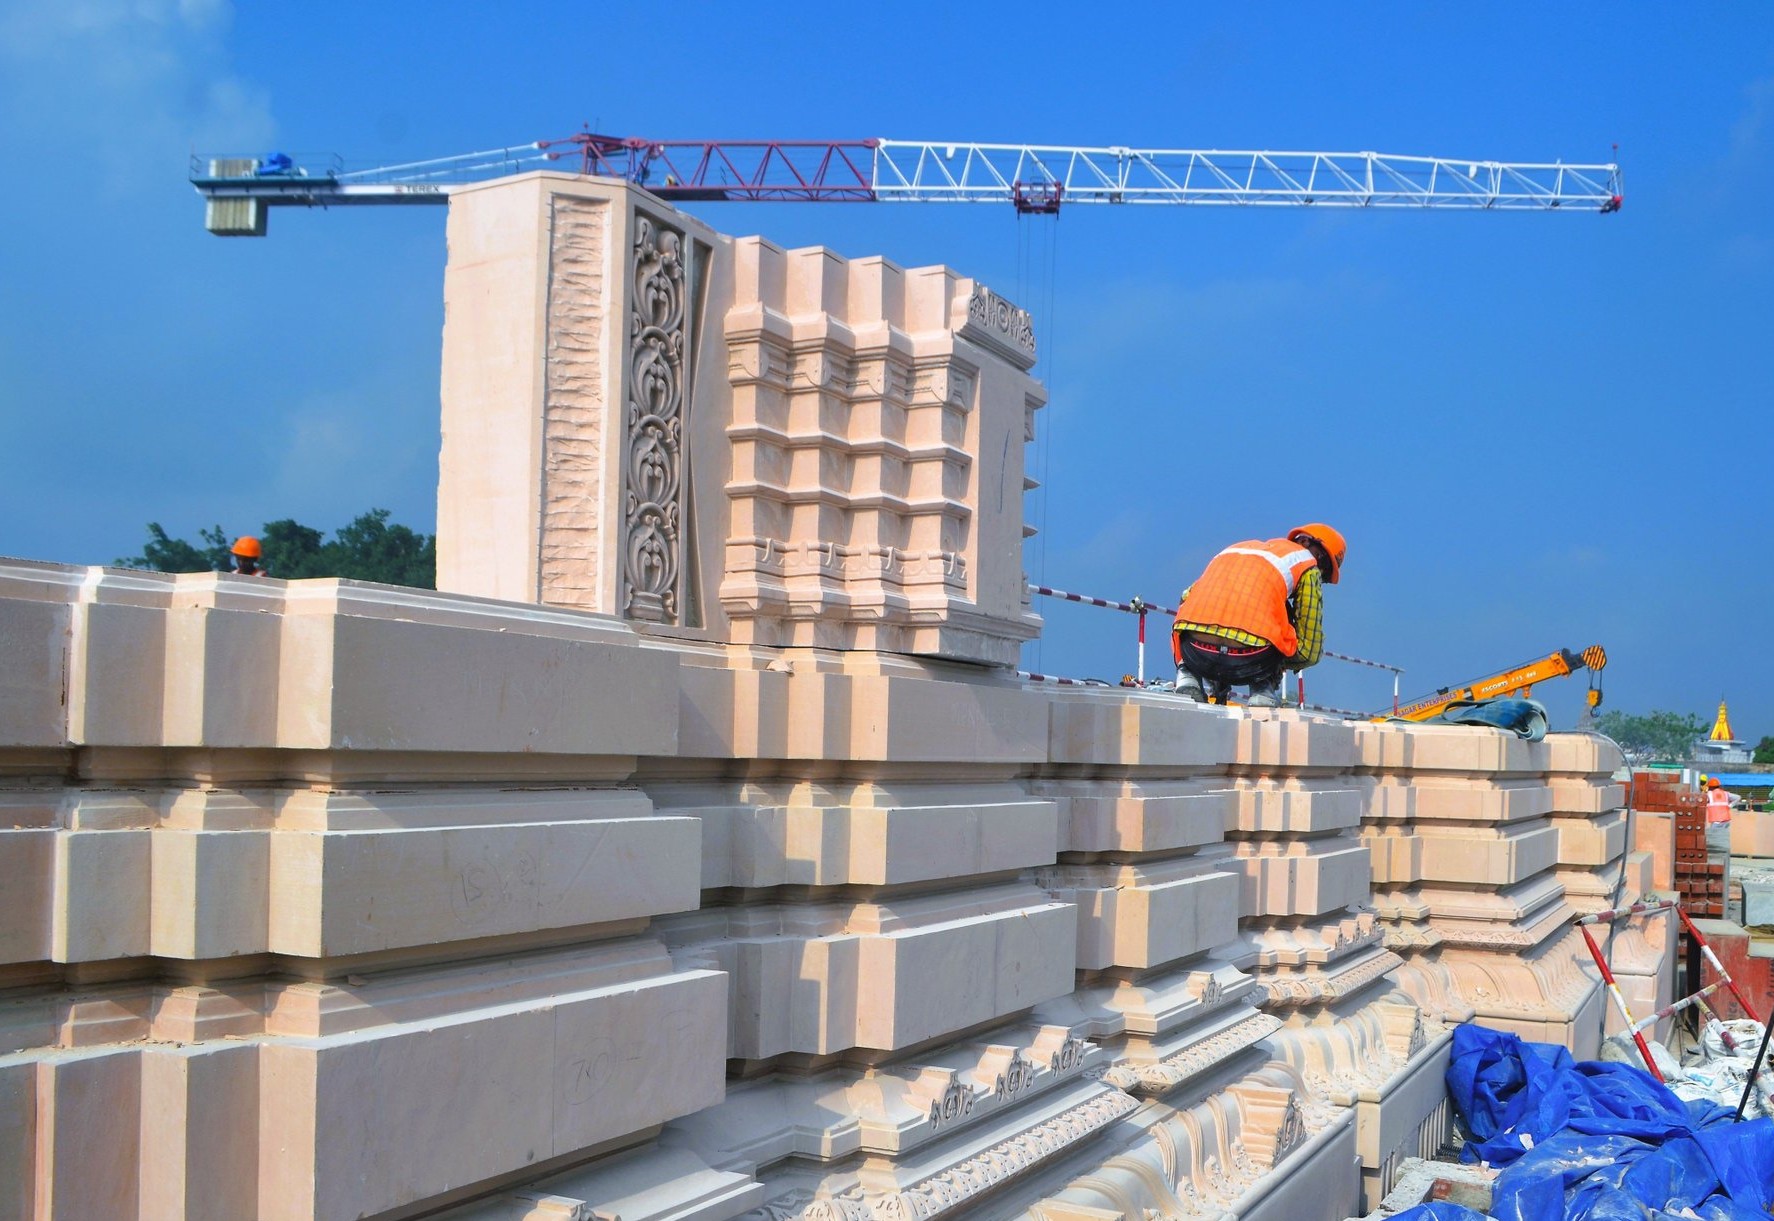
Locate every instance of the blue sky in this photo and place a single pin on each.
(1537, 430)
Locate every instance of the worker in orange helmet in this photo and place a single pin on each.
(247, 553)
(1718, 817)
(1257, 610)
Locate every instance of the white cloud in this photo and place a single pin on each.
(126, 86)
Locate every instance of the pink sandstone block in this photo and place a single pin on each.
(389, 685)
(1307, 880)
(1285, 740)
(1473, 750)
(1395, 858)
(1482, 801)
(908, 721)
(1143, 926)
(1296, 810)
(88, 1133)
(209, 893)
(1586, 795)
(918, 983)
(33, 660)
(1591, 841)
(1752, 833)
(351, 892)
(1655, 834)
(1581, 754)
(1493, 861)
(101, 895)
(18, 1136)
(872, 846)
(27, 862)
(373, 1120)
(114, 695)
(221, 674)
(1138, 732)
(200, 1131)
(1149, 821)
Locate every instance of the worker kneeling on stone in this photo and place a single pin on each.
(1257, 610)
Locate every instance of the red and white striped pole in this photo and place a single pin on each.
(1140, 608)
(1638, 1037)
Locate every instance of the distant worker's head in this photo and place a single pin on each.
(246, 551)
(1712, 782)
(1326, 545)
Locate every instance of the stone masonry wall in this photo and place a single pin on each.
(332, 900)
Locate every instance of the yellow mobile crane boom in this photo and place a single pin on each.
(1517, 680)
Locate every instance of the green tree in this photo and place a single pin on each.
(163, 554)
(1660, 735)
(1764, 750)
(368, 549)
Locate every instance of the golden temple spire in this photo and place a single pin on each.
(1721, 728)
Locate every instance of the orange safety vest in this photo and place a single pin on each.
(1247, 586)
(1718, 806)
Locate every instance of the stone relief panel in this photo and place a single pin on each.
(653, 474)
(574, 408)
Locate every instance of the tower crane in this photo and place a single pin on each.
(1032, 178)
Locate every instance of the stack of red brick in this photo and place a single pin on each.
(1699, 881)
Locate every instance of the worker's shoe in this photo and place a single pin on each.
(1265, 697)
(1189, 687)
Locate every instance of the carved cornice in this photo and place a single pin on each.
(952, 1188)
(1316, 985)
(1159, 1078)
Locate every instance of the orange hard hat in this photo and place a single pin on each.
(1328, 537)
(1712, 782)
(247, 546)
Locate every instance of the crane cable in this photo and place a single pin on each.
(1039, 294)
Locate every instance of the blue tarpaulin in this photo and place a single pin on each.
(1594, 1141)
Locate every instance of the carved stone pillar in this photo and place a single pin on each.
(573, 310)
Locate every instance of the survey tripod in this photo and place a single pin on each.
(1697, 999)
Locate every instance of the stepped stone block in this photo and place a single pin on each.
(354, 682)
(1295, 810)
(1587, 795)
(1480, 801)
(88, 1101)
(1594, 841)
(1654, 833)
(34, 639)
(351, 892)
(375, 1119)
(826, 715)
(101, 905)
(1489, 860)
(200, 1131)
(27, 901)
(1144, 731)
(222, 642)
(881, 846)
(209, 893)
(1141, 917)
(888, 983)
(1280, 739)
(1307, 879)
(1752, 833)
(18, 1136)
(1142, 818)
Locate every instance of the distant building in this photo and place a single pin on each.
(1720, 747)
